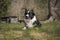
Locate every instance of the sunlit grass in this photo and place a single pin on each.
(48, 31)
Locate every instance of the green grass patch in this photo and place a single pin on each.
(48, 31)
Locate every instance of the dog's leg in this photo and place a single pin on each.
(25, 26)
(38, 24)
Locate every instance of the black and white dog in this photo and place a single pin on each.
(30, 19)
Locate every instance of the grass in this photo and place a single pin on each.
(48, 31)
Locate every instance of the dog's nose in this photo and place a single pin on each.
(27, 17)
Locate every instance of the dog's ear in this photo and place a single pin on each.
(25, 10)
(32, 11)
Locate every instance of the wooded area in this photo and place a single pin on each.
(44, 9)
(54, 9)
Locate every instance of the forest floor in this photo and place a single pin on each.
(48, 31)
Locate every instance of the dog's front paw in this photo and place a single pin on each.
(24, 28)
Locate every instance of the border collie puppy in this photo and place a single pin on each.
(30, 19)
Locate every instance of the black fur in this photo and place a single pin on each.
(37, 23)
(31, 16)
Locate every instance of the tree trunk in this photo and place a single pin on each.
(54, 10)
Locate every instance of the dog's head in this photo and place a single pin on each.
(29, 14)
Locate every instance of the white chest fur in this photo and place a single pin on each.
(30, 23)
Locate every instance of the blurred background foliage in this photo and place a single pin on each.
(3, 7)
(40, 7)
